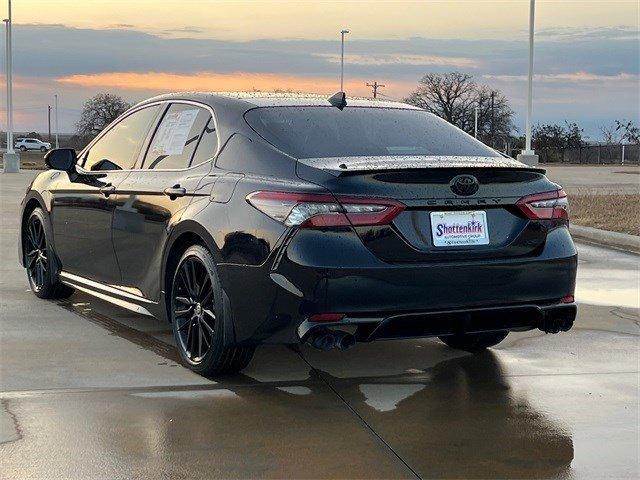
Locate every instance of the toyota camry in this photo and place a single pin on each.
(244, 219)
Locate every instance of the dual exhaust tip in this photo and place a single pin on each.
(325, 339)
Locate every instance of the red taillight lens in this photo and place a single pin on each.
(309, 210)
(326, 317)
(545, 206)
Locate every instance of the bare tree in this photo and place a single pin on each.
(454, 96)
(621, 131)
(448, 95)
(630, 132)
(495, 117)
(100, 111)
(610, 135)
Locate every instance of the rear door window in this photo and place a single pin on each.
(176, 137)
(208, 145)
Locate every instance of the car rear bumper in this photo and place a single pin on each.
(332, 272)
(548, 318)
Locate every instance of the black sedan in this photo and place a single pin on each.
(250, 218)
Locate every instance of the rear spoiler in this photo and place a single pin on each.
(339, 166)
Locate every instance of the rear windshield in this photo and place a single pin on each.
(321, 132)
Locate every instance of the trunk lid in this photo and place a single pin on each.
(424, 185)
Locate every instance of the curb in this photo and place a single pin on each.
(606, 238)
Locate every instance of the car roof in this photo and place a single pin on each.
(230, 107)
(274, 99)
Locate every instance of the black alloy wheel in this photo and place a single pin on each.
(198, 315)
(36, 254)
(38, 259)
(193, 309)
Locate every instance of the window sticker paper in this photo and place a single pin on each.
(174, 132)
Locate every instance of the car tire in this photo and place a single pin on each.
(198, 315)
(473, 342)
(38, 259)
(43, 149)
(22, 148)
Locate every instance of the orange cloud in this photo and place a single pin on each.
(237, 81)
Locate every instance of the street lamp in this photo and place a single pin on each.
(56, 118)
(528, 156)
(10, 159)
(7, 57)
(475, 122)
(342, 34)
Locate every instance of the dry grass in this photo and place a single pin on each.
(32, 161)
(608, 211)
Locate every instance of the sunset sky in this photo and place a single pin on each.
(587, 53)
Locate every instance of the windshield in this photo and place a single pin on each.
(321, 132)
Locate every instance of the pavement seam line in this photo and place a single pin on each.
(354, 412)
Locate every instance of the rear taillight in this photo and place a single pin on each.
(545, 206)
(326, 317)
(309, 210)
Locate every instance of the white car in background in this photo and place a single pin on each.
(24, 144)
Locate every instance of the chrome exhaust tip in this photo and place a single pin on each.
(344, 340)
(325, 339)
(322, 339)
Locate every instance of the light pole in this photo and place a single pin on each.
(342, 34)
(10, 159)
(56, 117)
(475, 123)
(375, 86)
(528, 156)
(7, 57)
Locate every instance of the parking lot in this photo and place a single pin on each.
(92, 391)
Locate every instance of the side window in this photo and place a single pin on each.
(208, 145)
(176, 137)
(118, 149)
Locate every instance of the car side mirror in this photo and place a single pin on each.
(61, 159)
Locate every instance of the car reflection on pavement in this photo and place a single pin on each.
(461, 419)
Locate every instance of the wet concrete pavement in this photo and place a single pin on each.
(92, 391)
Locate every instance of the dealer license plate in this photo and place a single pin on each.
(453, 229)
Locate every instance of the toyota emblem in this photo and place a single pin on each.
(464, 185)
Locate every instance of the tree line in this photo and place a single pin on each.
(455, 97)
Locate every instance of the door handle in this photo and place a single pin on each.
(175, 192)
(107, 190)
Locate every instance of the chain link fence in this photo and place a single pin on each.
(626, 154)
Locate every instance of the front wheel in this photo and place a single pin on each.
(43, 149)
(473, 342)
(197, 315)
(38, 256)
(22, 148)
